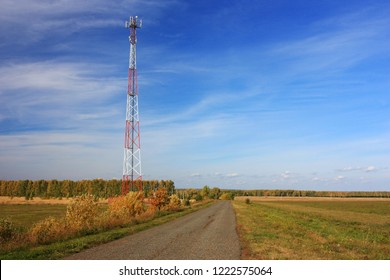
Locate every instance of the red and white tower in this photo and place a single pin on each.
(132, 176)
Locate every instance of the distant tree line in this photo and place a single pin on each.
(99, 188)
(308, 193)
(199, 194)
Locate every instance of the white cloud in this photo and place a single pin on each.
(231, 175)
(217, 175)
(371, 168)
(286, 175)
(349, 168)
(340, 177)
(56, 75)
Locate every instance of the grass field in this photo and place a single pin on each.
(25, 215)
(314, 228)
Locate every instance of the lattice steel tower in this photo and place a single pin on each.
(132, 176)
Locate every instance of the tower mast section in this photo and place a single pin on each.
(132, 175)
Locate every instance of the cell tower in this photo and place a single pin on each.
(132, 176)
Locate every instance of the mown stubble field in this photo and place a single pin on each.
(305, 228)
(24, 213)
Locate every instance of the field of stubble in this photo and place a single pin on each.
(304, 228)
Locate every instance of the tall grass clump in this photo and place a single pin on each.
(174, 203)
(47, 230)
(124, 209)
(82, 213)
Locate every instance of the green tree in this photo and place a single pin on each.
(67, 188)
(54, 189)
(22, 188)
(30, 190)
(3, 188)
(113, 188)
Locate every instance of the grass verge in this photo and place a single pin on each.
(61, 249)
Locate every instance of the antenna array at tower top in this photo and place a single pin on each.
(134, 22)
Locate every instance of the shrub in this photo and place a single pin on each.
(247, 201)
(7, 230)
(46, 231)
(174, 203)
(81, 213)
(129, 206)
(160, 198)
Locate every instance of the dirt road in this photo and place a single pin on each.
(206, 234)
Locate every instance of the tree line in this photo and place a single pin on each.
(99, 188)
(309, 193)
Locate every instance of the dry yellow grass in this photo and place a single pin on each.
(345, 216)
(313, 228)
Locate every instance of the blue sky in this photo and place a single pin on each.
(234, 94)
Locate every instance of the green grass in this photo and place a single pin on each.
(314, 230)
(60, 250)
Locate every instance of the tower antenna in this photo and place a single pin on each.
(132, 175)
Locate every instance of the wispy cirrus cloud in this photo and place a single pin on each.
(53, 75)
(54, 94)
(341, 43)
(32, 30)
(36, 18)
(60, 154)
(369, 168)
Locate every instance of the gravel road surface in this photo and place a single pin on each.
(207, 234)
